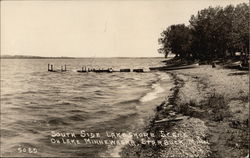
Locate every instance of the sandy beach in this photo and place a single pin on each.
(208, 112)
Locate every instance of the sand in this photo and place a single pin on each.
(218, 97)
(210, 106)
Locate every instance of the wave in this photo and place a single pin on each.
(8, 133)
(101, 112)
(57, 121)
(64, 103)
(116, 151)
(77, 117)
(130, 101)
(74, 111)
(164, 76)
(79, 98)
(113, 121)
(153, 94)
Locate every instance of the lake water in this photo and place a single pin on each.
(35, 103)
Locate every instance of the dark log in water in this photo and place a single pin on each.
(124, 70)
(137, 70)
(82, 71)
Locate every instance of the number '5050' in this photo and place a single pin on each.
(27, 150)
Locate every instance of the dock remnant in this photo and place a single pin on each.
(109, 70)
(50, 68)
(138, 70)
(124, 70)
(83, 69)
(64, 68)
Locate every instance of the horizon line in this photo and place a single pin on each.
(30, 56)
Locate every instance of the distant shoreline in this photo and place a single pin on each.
(40, 57)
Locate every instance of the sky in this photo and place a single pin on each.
(99, 28)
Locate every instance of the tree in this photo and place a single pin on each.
(212, 33)
(205, 32)
(240, 30)
(175, 39)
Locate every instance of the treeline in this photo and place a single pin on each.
(213, 33)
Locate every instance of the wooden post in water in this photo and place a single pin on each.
(51, 67)
(61, 68)
(213, 65)
(65, 68)
(48, 67)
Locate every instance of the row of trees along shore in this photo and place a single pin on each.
(214, 33)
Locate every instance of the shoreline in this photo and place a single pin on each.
(209, 106)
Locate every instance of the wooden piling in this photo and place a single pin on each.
(48, 67)
(82, 70)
